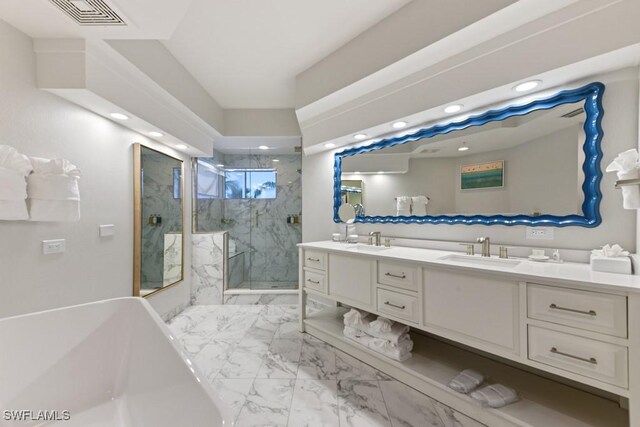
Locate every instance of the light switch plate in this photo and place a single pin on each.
(539, 233)
(53, 246)
(107, 230)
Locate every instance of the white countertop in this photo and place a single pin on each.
(569, 273)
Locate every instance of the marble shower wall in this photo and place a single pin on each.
(260, 229)
(207, 268)
(259, 226)
(158, 199)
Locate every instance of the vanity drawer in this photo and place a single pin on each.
(399, 305)
(315, 281)
(398, 275)
(592, 311)
(584, 356)
(314, 259)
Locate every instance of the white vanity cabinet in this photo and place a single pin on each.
(475, 309)
(579, 332)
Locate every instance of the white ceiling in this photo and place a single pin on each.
(246, 53)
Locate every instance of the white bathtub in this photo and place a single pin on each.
(109, 363)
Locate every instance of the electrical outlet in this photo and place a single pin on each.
(53, 246)
(107, 230)
(539, 233)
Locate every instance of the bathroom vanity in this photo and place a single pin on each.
(564, 337)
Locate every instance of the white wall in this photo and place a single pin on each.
(38, 123)
(620, 124)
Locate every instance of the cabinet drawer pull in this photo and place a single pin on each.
(395, 275)
(313, 281)
(572, 310)
(313, 259)
(591, 360)
(401, 307)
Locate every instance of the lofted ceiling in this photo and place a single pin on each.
(247, 53)
(325, 70)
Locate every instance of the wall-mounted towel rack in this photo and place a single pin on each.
(626, 182)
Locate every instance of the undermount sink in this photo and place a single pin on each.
(367, 248)
(479, 260)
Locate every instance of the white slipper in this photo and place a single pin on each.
(495, 395)
(466, 381)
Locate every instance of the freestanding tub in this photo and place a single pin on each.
(109, 363)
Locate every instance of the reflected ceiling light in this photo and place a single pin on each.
(220, 165)
(263, 147)
(181, 146)
(380, 172)
(453, 108)
(360, 136)
(526, 86)
(329, 145)
(399, 125)
(464, 147)
(119, 116)
(357, 172)
(276, 160)
(155, 133)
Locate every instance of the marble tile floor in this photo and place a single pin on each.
(272, 375)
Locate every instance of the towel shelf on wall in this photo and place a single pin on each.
(626, 182)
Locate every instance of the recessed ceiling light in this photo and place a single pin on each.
(181, 146)
(453, 108)
(263, 147)
(380, 172)
(276, 160)
(360, 136)
(398, 125)
(220, 165)
(155, 133)
(119, 116)
(463, 147)
(357, 172)
(526, 86)
(329, 145)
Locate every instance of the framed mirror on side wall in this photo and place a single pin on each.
(526, 164)
(158, 221)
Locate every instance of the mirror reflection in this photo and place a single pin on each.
(159, 211)
(529, 164)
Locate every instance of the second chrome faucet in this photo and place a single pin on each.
(486, 245)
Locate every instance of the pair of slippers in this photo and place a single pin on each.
(494, 395)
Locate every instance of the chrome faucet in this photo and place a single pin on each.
(377, 235)
(486, 245)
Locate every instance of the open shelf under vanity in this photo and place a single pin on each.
(543, 402)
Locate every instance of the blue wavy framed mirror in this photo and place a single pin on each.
(535, 164)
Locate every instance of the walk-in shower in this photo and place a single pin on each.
(255, 195)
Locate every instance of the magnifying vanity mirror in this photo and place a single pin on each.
(158, 221)
(347, 213)
(530, 164)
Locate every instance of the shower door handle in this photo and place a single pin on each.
(257, 218)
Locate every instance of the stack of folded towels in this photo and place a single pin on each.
(381, 335)
(37, 189)
(54, 193)
(14, 168)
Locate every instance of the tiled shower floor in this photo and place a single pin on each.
(272, 375)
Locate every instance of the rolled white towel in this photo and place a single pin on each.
(403, 206)
(13, 210)
(357, 318)
(419, 205)
(13, 195)
(393, 352)
(381, 324)
(466, 381)
(53, 166)
(53, 187)
(11, 159)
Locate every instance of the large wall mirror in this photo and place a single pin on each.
(158, 222)
(531, 164)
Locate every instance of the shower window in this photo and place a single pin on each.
(250, 183)
(209, 180)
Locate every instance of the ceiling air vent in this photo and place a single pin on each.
(89, 12)
(573, 113)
